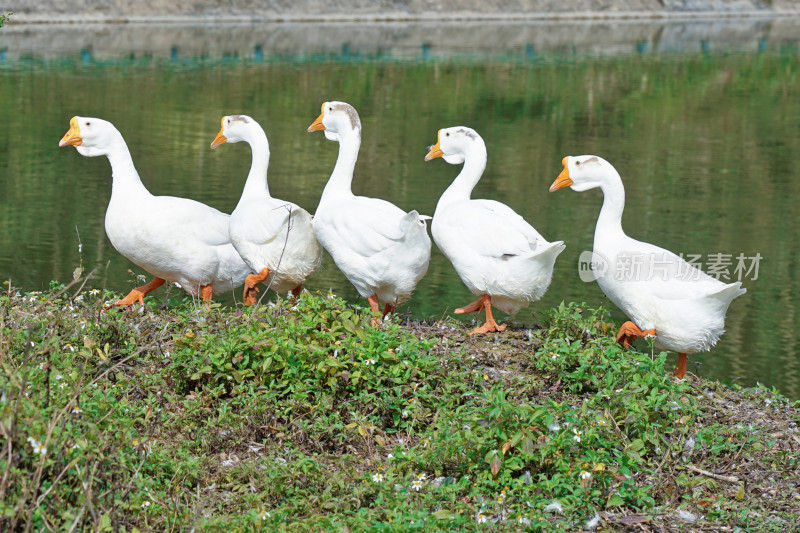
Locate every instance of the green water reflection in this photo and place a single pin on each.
(706, 144)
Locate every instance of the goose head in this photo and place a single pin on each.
(92, 137)
(453, 144)
(337, 119)
(235, 128)
(584, 172)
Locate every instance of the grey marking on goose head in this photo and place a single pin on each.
(352, 114)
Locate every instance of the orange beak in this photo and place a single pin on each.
(436, 151)
(220, 138)
(563, 179)
(317, 124)
(73, 136)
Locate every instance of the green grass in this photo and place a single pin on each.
(299, 416)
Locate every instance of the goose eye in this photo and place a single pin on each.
(447, 134)
(88, 124)
(330, 109)
(577, 163)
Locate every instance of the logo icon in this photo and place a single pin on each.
(592, 266)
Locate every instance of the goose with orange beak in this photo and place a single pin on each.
(274, 237)
(682, 307)
(499, 256)
(174, 239)
(381, 249)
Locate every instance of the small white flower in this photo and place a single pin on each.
(481, 517)
(37, 446)
(80, 247)
(142, 278)
(377, 478)
(523, 521)
(76, 410)
(145, 504)
(390, 456)
(577, 436)
(263, 514)
(405, 414)
(369, 361)
(554, 426)
(585, 475)
(69, 347)
(422, 476)
(416, 485)
(94, 292)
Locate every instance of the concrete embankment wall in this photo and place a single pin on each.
(301, 10)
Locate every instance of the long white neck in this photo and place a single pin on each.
(609, 222)
(474, 165)
(256, 184)
(342, 176)
(126, 182)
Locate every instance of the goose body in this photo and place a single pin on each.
(381, 249)
(274, 237)
(665, 296)
(496, 253)
(174, 239)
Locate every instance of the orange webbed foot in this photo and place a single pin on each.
(488, 328)
(485, 303)
(629, 331)
(138, 294)
(250, 294)
(477, 305)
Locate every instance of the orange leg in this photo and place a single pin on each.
(297, 290)
(680, 370)
(137, 294)
(484, 302)
(388, 308)
(251, 286)
(375, 306)
(629, 331)
(206, 292)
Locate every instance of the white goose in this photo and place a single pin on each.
(664, 296)
(274, 237)
(382, 250)
(496, 253)
(174, 239)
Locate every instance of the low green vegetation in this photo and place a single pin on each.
(299, 416)
(4, 17)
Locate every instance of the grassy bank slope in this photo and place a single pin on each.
(299, 416)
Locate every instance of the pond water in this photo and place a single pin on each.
(705, 136)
